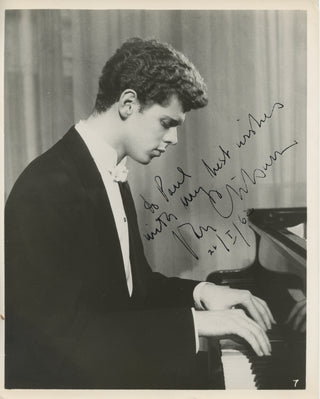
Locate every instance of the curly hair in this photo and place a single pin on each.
(155, 71)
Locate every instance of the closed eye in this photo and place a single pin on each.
(166, 125)
(169, 123)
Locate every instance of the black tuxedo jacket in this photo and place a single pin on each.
(70, 322)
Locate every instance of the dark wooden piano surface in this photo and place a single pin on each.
(285, 368)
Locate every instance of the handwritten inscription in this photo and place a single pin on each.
(213, 170)
(162, 221)
(226, 238)
(171, 190)
(252, 119)
(247, 179)
(149, 206)
(221, 199)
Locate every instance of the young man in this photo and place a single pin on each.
(83, 307)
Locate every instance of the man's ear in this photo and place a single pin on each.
(128, 103)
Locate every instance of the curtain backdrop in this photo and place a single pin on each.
(254, 63)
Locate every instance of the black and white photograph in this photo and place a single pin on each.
(156, 215)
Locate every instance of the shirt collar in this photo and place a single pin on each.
(103, 154)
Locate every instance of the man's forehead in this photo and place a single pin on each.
(171, 109)
(174, 110)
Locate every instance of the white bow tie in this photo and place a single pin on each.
(119, 173)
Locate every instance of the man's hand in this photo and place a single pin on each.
(215, 297)
(297, 316)
(234, 321)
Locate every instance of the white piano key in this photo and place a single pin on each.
(237, 370)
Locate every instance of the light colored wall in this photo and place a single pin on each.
(250, 61)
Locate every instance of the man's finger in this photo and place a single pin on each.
(262, 309)
(295, 310)
(256, 329)
(255, 341)
(257, 310)
(267, 309)
(254, 313)
(246, 324)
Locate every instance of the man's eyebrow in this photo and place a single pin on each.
(174, 121)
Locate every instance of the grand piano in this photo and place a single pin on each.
(277, 275)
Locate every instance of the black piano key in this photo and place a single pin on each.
(280, 369)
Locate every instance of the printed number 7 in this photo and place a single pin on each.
(295, 382)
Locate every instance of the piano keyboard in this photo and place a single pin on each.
(243, 369)
(277, 279)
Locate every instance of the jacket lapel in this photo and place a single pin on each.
(94, 187)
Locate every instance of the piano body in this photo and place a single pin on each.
(278, 275)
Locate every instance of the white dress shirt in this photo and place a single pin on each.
(105, 158)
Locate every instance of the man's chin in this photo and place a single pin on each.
(144, 161)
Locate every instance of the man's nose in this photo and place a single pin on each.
(171, 137)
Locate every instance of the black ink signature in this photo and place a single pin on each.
(186, 199)
(201, 232)
(222, 200)
(175, 187)
(219, 165)
(182, 240)
(179, 236)
(149, 206)
(161, 219)
(257, 173)
(251, 119)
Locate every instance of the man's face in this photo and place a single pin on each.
(150, 132)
